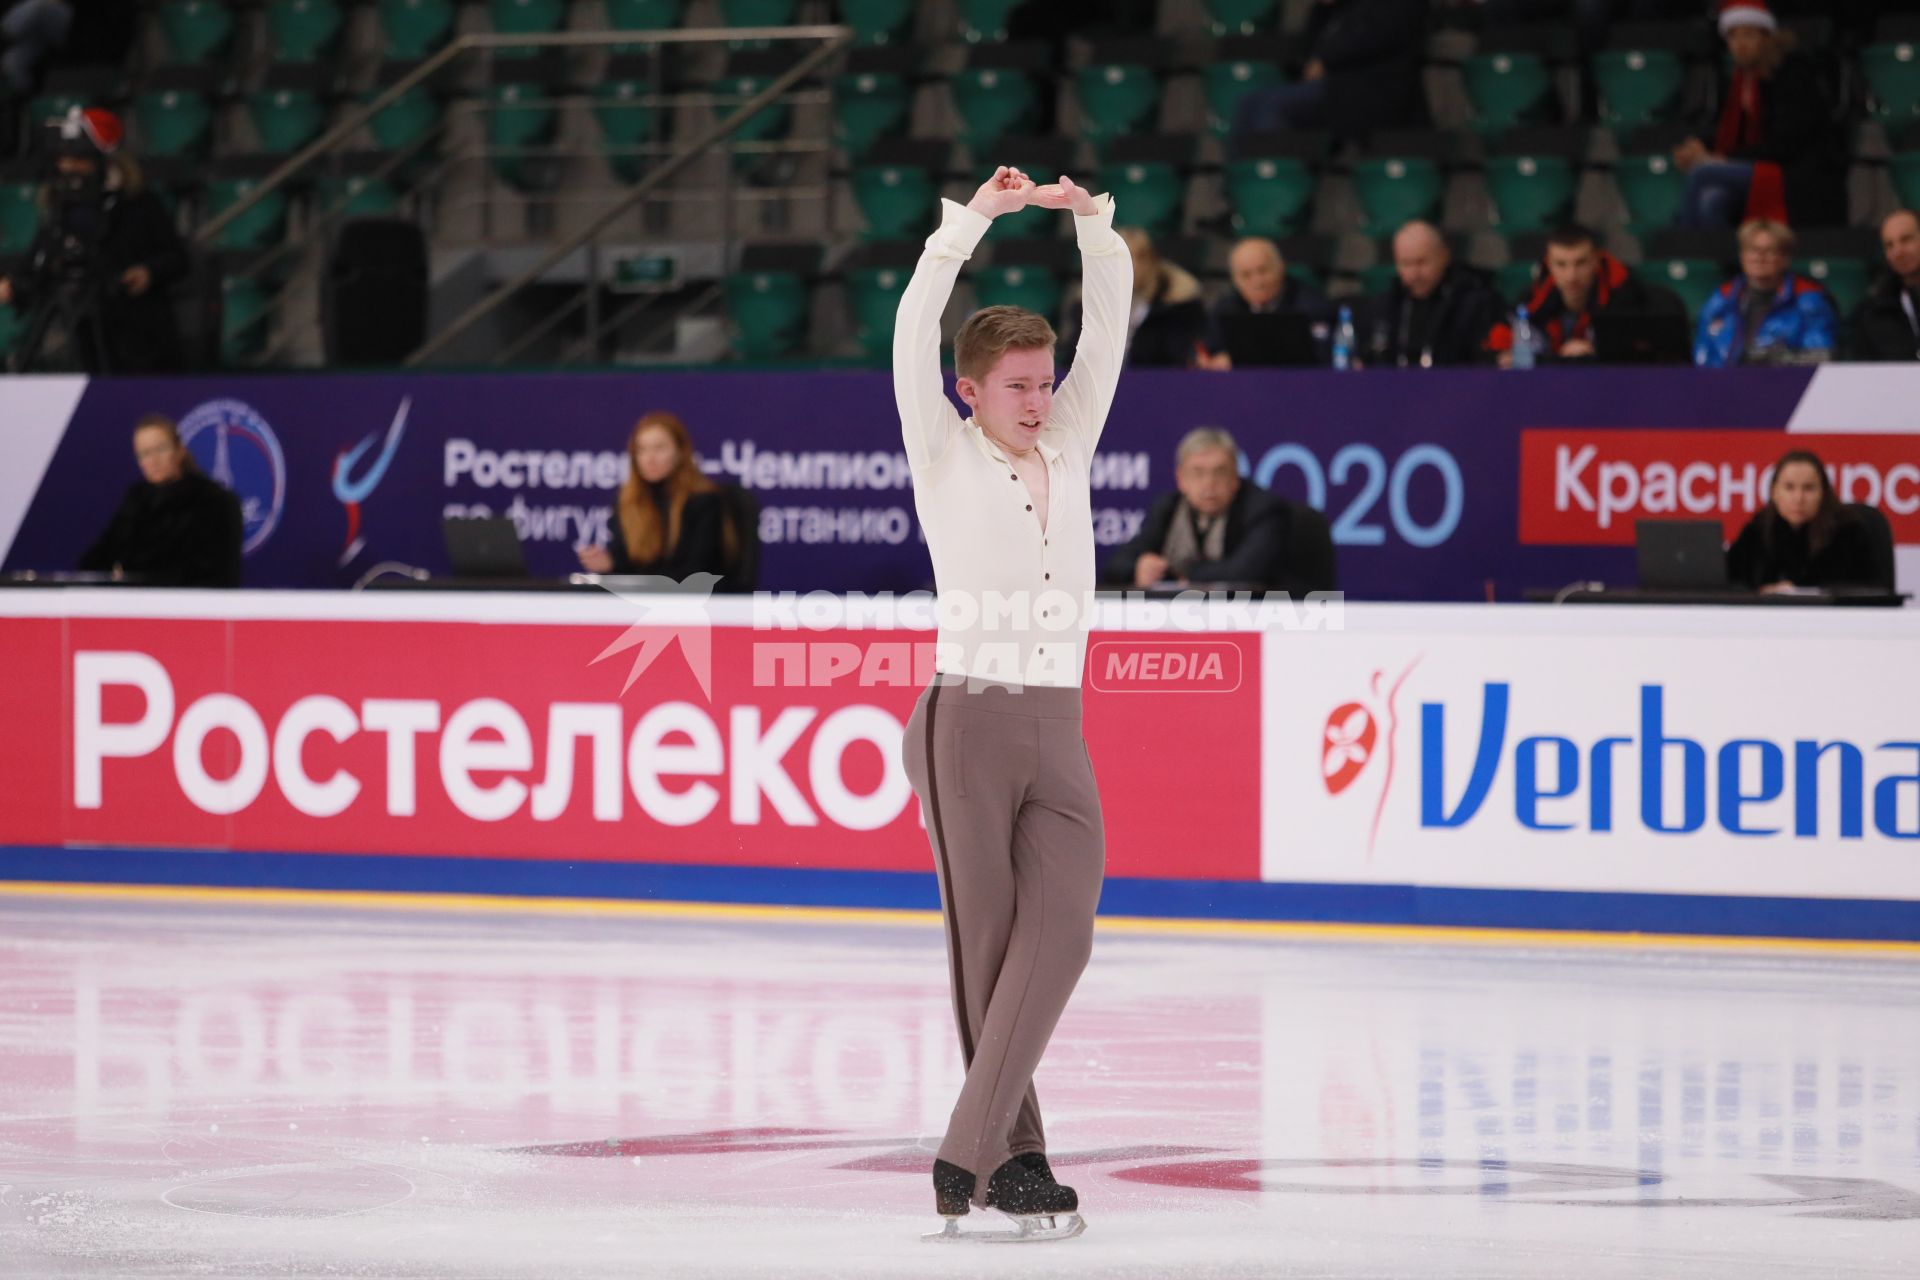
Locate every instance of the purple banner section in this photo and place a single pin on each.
(1417, 471)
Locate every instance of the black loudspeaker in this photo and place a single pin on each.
(373, 306)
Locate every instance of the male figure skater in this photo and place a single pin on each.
(993, 747)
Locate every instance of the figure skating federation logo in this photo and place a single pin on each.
(234, 445)
(1354, 734)
(352, 491)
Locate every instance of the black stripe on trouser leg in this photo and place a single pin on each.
(946, 872)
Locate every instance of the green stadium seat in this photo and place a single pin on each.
(1694, 279)
(526, 18)
(19, 216)
(1116, 98)
(1507, 88)
(1653, 188)
(884, 22)
(769, 124)
(262, 226)
(1269, 195)
(873, 297)
(1893, 78)
(1227, 82)
(1639, 86)
(1377, 278)
(1242, 17)
(407, 123)
(1035, 288)
(197, 32)
(769, 312)
(1904, 168)
(245, 308)
(643, 15)
(627, 121)
(1394, 190)
(985, 21)
(897, 192)
(304, 30)
(173, 120)
(1530, 192)
(992, 101)
(868, 106)
(522, 121)
(756, 13)
(360, 195)
(288, 112)
(1153, 194)
(416, 28)
(1513, 279)
(1845, 279)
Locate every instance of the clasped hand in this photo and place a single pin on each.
(1009, 191)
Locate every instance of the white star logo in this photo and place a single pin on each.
(669, 611)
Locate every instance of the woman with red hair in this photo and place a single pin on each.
(669, 520)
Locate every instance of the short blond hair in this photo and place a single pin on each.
(1753, 228)
(991, 332)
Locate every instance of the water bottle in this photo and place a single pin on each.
(1523, 351)
(1343, 341)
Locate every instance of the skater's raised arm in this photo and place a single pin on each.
(1106, 298)
(928, 420)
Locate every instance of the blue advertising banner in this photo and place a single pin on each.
(1418, 472)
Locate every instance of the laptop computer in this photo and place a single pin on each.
(1284, 339)
(1642, 337)
(1681, 555)
(483, 548)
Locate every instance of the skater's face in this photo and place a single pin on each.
(158, 454)
(1012, 401)
(655, 454)
(1573, 271)
(1796, 493)
(1208, 479)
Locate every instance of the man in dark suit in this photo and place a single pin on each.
(1261, 287)
(1888, 326)
(1212, 529)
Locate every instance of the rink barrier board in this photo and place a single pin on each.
(1542, 915)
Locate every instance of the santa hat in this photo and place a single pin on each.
(1746, 13)
(89, 131)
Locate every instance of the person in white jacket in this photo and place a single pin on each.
(994, 746)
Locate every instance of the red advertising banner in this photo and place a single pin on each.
(1587, 487)
(510, 740)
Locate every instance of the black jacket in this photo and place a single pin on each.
(1258, 541)
(184, 534)
(1882, 330)
(702, 545)
(1459, 317)
(1800, 134)
(1372, 50)
(1770, 550)
(1297, 297)
(140, 335)
(1166, 337)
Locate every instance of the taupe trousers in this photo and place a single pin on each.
(1013, 814)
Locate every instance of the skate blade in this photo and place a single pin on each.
(1036, 1229)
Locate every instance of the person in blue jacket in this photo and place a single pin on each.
(1766, 314)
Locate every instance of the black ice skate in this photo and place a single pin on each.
(1023, 1188)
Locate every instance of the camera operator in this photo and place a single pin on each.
(101, 270)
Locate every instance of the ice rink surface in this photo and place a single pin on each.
(244, 1089)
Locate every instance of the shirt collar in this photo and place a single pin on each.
(991, 450)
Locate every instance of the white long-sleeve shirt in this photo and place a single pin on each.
(1015, 600)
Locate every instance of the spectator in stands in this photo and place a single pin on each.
(107, 253)
(1766, 314)
(1362, 73)
(175, 527)
(669, 520)
(31, 30)
(1212, 529)
(1777, 150)
(1804, 536)
(1577, 280)
(1260, 287)
(1888, 326)
(1168, 311)
(1437, 312)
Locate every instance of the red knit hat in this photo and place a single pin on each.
(91, 129)
(1746, 13)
